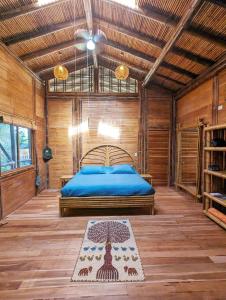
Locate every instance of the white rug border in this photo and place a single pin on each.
(108, 281)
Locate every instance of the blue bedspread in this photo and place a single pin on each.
(107, 185)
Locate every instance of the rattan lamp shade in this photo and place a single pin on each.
(122, 72)
(60, 72)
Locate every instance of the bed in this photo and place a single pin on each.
(109, 186)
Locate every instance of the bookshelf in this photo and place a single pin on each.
(215, 179)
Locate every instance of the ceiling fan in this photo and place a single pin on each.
(89, 41)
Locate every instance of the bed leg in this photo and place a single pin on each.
(152, 210)
(62, 211)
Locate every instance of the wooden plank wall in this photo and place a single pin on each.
(122, 114)
(159, 105)
(59, 121)
(189, 147)
(202, 102)
(222, 97)
(40, 133)
(21, 98)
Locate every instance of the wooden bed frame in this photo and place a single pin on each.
(107, 155)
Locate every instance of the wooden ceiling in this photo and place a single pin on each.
(168, 42)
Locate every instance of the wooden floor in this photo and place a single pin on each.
(182, 251)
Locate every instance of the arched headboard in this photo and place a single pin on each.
(106, 155)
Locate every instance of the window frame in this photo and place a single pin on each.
(18, 168)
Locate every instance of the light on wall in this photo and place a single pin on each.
(81, 128)
(108, 130)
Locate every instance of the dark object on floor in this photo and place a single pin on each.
(218, 142)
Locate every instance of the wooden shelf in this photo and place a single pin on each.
(215, 127)
(218, 200)
(221, 174)
(215, 219)
(223, 149)
(191, 189)
(214, 180)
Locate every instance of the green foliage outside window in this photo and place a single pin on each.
(15, 147)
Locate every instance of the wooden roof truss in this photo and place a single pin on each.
(152, 67)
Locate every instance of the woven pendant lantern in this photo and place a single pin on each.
(60, 72)
(122, 72)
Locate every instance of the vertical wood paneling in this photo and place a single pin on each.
(16, 87)
(159, 107)
(222, 97)
(21, 95)
(158, 155)
(16, 190)
(59, 121)
(197, 104)
(40, 132)
(122, 114)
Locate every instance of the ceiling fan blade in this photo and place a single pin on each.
(82, 33)
(100, 36)
(81, 46)
(98, 49)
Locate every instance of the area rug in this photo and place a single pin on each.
(108, 253)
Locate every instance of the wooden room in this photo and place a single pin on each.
(112, 149)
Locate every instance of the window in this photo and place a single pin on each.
(15, 147)
(78, 81)
(109, 83)
(83, 81)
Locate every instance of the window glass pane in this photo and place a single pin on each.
(109, 83)
(78, 81)
(7, 148)
(25, 146)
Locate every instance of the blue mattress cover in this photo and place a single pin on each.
(106, 185)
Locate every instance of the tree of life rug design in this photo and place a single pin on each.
(108, 253)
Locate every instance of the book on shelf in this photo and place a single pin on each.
(219, 195)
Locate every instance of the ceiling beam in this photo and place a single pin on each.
(72, 59)
(192, 9)
(117, 62)
(156, 43)
(42, 52)
(170, 79)
(220, 3)
(151, 13)
(42, 31)
(134, 68)
(209, 73)
(27, 9)
(89, 19)
(131, 34)
(111, 63)
(71, 68)
(149, 58)
(156, 15)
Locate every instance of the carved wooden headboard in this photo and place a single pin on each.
(106, 155)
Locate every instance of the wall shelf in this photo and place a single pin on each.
(220, 149)
(221, 174)
(216, 199)
(215, 181)
(215, 219)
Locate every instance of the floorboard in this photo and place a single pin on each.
(183, 253)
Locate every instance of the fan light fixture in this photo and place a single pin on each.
(60, 72)
(90, 45)
(122, 72)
